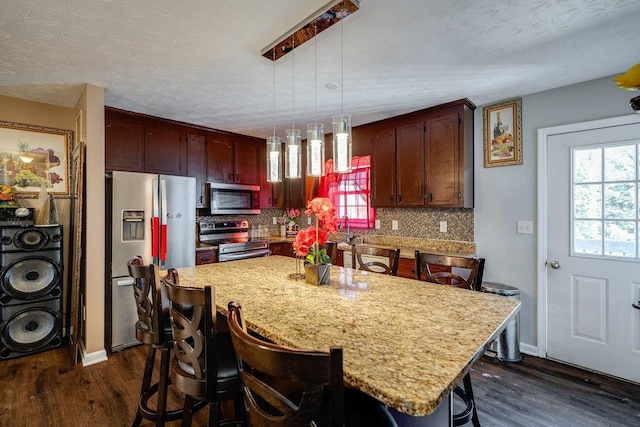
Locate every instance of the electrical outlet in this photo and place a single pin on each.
(525, 227)
(377, 224)
(443, 226)
(394, 225)
(308, 220)
(275, 220)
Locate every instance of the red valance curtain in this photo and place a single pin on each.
(350, 192)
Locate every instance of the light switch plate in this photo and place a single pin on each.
(525, 227)
(377, 224)
(309, 220)
(443, 226)
(394, 225)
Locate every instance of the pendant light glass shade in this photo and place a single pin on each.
(274, 159)
(293, 154)
(342, 143)
(315, 149)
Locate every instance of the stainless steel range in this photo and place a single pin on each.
(231, 240)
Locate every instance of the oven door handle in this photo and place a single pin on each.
(243, 255)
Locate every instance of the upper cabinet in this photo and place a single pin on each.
(124, 144)
(424, 159)
(165, 150)
(233, 159)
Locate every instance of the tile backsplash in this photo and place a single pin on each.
(415, 223)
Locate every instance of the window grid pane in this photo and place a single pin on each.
(605, 208)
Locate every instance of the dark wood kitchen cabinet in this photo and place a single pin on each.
(165, 150)
(407, 268)
(124, 144)
(197, 165)
(424, 159)
(205, 256)
(233, 159)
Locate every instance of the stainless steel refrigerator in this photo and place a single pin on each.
(153, 216)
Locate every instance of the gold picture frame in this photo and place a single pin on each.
(503, 133)
(31, 155)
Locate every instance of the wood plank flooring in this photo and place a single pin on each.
(43, 390)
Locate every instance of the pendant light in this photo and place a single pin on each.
(293, 148)
(315, 130)
(274, 144)
(342, 122)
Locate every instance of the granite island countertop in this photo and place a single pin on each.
(407, 343)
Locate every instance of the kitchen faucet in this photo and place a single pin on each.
(349, 235)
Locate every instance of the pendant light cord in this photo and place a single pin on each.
(342, 61)
(274, 91)
(293, 82)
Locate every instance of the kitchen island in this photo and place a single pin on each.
(405, 342)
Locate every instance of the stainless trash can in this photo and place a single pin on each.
(507, 345)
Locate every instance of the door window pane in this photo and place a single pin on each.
(587, 237)
(619, 238)
(587, 165)
(588, 201)
(620, 201)
(619, 163)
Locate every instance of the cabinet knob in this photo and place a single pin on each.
(399, 198)
(431, 197)
(391, 198)
(237, 177)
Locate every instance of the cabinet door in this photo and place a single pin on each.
(220, 158)
(164, 150)
(383, 168)
(410, 159)
(443, 162)
(124, 146)
(206, 256)
(246, 170)
(197, 165)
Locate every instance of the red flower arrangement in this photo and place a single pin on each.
(309, 242)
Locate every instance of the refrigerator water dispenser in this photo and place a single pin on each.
(132, 225)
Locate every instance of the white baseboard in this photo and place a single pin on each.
(530, 350)
(92, 358)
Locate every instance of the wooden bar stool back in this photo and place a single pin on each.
(424, 267)
(154, 330)
(359, 250)
(204, 366)
(289, 387)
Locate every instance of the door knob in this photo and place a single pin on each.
(554, 264)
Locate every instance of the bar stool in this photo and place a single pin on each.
(473, 281)
(291, 387)
(152, 329)
(204, 365)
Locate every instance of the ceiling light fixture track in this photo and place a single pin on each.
(329, 14)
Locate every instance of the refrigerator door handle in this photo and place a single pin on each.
(155, 221)
(163, 220)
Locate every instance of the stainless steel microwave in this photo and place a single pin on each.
(234, 199)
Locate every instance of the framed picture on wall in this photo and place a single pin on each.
(502, 133)
(34, 155)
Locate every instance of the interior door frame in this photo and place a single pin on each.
(543, 135)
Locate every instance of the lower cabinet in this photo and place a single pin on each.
(205, 256)
(282, 248)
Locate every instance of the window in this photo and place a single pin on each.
(605, 201)
(350, 192)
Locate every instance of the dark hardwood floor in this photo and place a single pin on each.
(43, 390)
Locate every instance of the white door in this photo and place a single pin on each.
(592, 259)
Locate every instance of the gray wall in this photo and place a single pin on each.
(507, 194)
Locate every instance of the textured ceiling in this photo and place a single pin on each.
(199, 61)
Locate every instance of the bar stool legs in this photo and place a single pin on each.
(159, 414)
